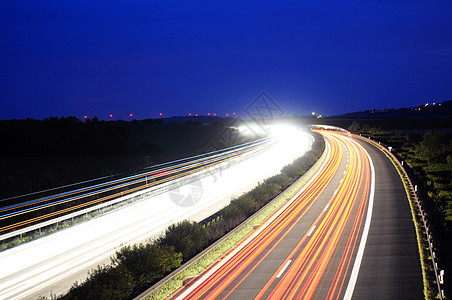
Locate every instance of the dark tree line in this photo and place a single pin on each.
(69, 136)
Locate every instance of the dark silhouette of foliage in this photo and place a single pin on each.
(105, 282)
(432, 148)
(186, 237)
(69, 136)
(147, 262)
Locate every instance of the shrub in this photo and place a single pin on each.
(147, 262)
(105, 282)
(186, 237)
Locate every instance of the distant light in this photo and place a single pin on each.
(214, 114)
(130, 115)
(227, 115)
(86, 117)
(189, 114)
(313, 113)
(111, 116)
(233, 113)
(208, 114)
(160, 114)
(196, 115)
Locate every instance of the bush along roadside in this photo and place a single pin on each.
(135, 268)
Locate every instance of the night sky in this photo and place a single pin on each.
(96, 58)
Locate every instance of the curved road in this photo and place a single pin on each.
(347, 234)
(53, 263)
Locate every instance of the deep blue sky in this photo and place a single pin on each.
(60, 58)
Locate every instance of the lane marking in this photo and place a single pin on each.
(335, 192)
(345, 172)
(312, 229)
(284, 268)
(362, 245)
(326, 207)
(209, 273)
(341, 180)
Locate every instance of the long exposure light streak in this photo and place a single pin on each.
(158, 176)
(33, 267)
(320, 263)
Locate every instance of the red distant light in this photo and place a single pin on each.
(233, 113)
(189, 114)
(130, 115)
(160, 114)
(214, 114)
(196, 115)
(111, 116)
(86, 117)
(227, 115)
(208, 114)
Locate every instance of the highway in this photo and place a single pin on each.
(347, 234)
(28, 213)
(53, 263)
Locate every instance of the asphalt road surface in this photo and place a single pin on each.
(347, 234)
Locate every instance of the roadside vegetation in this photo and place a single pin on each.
(427, 159)
(135, 268)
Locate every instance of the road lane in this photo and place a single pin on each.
(315, 248)
(391, 266)
(308, 249)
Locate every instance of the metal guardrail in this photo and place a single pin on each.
(153, 188)
(413, 192)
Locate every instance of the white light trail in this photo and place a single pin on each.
(37, 265)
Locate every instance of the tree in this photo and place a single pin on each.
(187, 238)
(147, 262)
(355, 127)
(432, 148)
(105, 282)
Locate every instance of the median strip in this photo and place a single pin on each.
(167, 286)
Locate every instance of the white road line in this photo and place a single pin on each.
(284, 268)
(326, 207)
(335, 192)
(345, 172)
(209, 273)
(341, 180)
(359, 255)
(312, 229)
